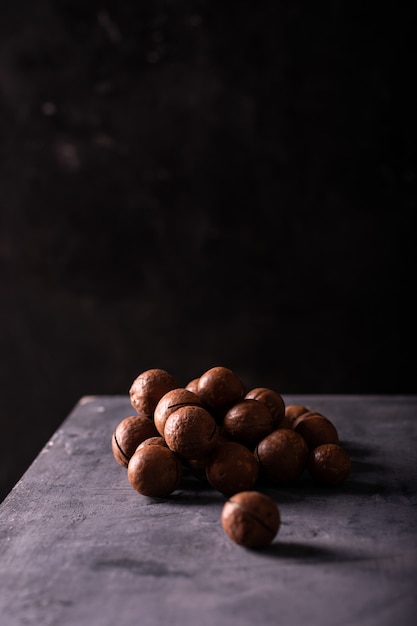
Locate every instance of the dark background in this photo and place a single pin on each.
(189, 184)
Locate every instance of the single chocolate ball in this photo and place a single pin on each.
(232, 468)
(170, 402)
(247, 422)
(148, 388)
(129, 433)
(329, 464)
(316, 429)
(154, 471)
(191, 432)
(272, 399)
(251, 519)
(293, 411)
(219, 388)
(282, 455)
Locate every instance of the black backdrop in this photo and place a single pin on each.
(188, 184)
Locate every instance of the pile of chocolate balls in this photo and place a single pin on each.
(233, 439)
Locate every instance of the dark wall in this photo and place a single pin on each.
(188, 184)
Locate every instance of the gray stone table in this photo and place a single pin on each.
(80, 546)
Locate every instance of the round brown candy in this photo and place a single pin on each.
(316, 429)
(219, 388)
(329, 464)
(148, 388)
(154, 471)
(272, 399)
(170, 402)
(232, 468)
(282, 455)
(129, 433)
(251, 519)
(247, 422)
(191, 432)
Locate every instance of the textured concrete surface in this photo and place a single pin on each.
(80, 546)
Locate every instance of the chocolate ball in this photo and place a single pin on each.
(247, 422)
(154, 471)
(316, 429)
(129, 433)
(272, 399)
(251, 519)
(170, 402)
(329, 464)
(219, 388)
(191, 432)
(282, 455)
(232, 468)
(148, 388)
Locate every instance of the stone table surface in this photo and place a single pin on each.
(80, 546)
